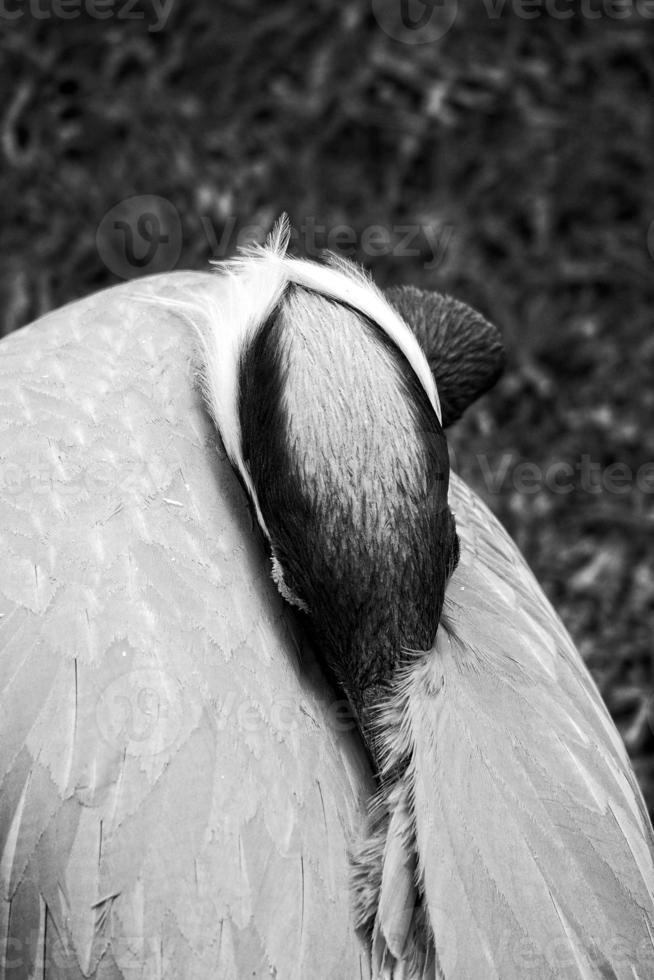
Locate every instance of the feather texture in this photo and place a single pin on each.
(464, 351)
(160, 747)
(533, 844)
(178, 795)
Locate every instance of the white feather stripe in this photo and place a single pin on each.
(224, 316)
(343, 282)
(346, 284)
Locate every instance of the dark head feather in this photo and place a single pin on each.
(465, 351)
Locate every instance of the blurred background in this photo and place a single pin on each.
(500, 151)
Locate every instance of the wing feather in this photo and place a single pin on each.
(534, 847)
(175, 797)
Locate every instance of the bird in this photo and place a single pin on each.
(280, 697)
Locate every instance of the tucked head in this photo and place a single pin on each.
(350, 467)
(330, 414)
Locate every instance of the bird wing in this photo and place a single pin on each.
(177, 793)
(534, 847)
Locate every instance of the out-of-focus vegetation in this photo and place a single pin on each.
(508, 162)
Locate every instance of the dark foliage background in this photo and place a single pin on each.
(517, 150)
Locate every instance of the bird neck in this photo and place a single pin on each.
(377, 608)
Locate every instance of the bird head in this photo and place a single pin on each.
(350, 466)
(330, 414)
